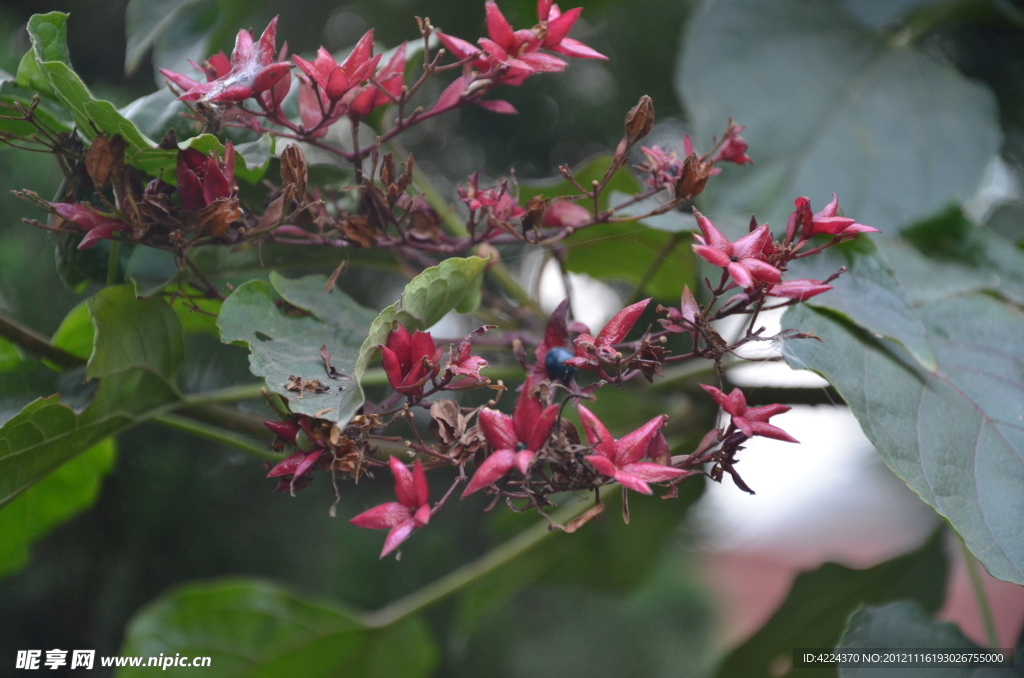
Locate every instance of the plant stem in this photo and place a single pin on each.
(217, 435)
(37, 344)
(467, 574)
(115, 251)
(979, 594)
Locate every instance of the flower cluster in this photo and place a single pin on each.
(553, 442)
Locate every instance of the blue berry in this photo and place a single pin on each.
(553, 363)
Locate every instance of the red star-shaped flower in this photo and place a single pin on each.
(514, 440)
(411, 511)
(620, 459)
(744, 259)
(752, 421)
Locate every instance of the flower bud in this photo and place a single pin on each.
(639, 120)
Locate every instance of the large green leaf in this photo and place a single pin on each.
(953, 433)
(46, 68)
(904, 624)
(831, 105)
(284, 344)
(70, 489)
(454, 284)
(947, 255)
(815, 611)
(253, 628)
(869, 294)
(132, 332)
(47, 433)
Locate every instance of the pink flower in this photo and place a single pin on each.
(744, 259)
(620, 459)
(97, 226)
(514, 440)
(801, 290)
(411, 511)
(590, 351)
(734, 147)
(665, 167)
(751, 421)
(202, 179)
(335, 80)
(551, 354)
(252, 70)
(391, 79)
(462, 363)
(511, 56)
(410, 360)
(501, 206)
(824, 222)
(557, 25)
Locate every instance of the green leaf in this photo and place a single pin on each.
(23, 382)
(76, 332)
(156, 113)
(454, 284)
(831, 105)
(815, 611)
(251, 628)
(953, 434)
(947, 255)
(130, 332)
(903, 624)
(869, 294)
(70, 489)
(46, 433)
(145, 21)
(150, 270)
(284, 344)
(47, 69)
(9, 355)
(627, 251)
(49, 36)
(91, 115)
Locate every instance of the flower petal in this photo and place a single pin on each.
(598, 436)
(632, 447)
(494, 467)
(397, 535)
(653, 473)
(498, 429)
(405, 488)
(383, 516)
(768, 431)
(630, 481)
(621, 323)
(498, 28)
(602, 464)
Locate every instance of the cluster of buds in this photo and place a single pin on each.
(686, 177)
(203, 205)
